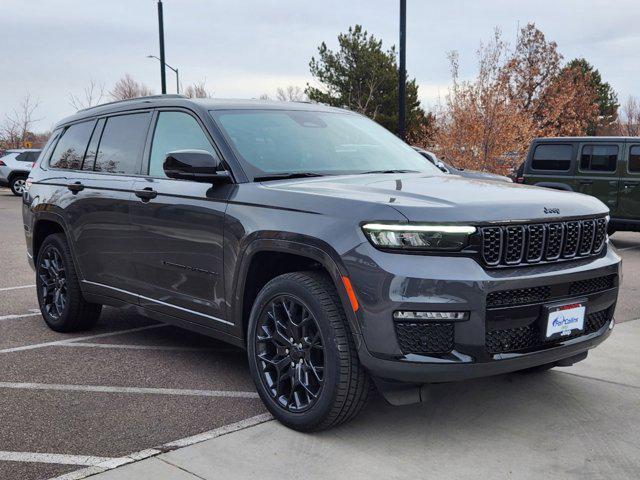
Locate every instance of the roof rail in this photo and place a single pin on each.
(148, 97)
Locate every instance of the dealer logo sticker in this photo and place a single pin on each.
(555, 211)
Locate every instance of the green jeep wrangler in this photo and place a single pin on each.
(607, 168)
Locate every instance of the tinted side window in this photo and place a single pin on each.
(599, 158)
(634, 159)
(175, 131)
(71, 146)
(122, 144)
(33, 157)
(27, 157)
(552, 157)
(92, 149)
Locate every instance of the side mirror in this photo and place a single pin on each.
(196, 165)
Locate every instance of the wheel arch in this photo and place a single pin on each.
(17, 173)
(264, 259)
(45, 224)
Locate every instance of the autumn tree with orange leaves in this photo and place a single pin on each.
(519, 93)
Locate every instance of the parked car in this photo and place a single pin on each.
(448, 168)
(15, 166)
(607, 168)
(318, 241)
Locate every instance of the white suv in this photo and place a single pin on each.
(15, 166)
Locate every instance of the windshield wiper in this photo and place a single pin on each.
(284, 176)
(391, 171)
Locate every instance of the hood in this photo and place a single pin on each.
(421, 197)
(482, 175)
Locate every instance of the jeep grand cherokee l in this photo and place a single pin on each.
(318, 241)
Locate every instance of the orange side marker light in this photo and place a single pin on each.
(352, 295)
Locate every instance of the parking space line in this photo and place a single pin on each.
(148, 347)
(134, 390)
(78, 339)
(6, 289)
(57, 458)
(627, 248)
(22, 315)
(151, 452)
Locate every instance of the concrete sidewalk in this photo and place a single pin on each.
(578, 422)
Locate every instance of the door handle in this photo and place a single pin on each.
(75, 187)
(630, 184)
(586, 182)
(146, 194)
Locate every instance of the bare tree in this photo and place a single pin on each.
(198, 90)
(127, 87)
(518, 94)
(291, 94)
(17, 126)
(628, 123)
(91, 95)
(264, 96)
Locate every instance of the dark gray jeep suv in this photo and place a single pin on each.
(318, 241)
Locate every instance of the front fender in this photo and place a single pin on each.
(303, 246)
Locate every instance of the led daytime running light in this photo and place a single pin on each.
(399, 227)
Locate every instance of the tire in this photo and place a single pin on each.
(18, 184)
(345, 385)
(66, 311)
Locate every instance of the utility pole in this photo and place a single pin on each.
(402, 74)
(163, 78)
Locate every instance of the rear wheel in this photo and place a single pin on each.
(301, 353)
(18, 184)
(62, 305)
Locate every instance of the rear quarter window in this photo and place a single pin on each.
(71, 146)
(552, 157)
(27, 157)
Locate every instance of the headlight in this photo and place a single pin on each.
(406, 236)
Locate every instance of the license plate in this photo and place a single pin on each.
(566, 320)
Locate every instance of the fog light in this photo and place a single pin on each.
(430, 316)
(612, 324)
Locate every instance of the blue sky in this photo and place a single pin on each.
(245, 48)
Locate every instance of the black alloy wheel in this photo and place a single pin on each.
(62, 303)
(290, 353)
(302, 355)
(53, 282)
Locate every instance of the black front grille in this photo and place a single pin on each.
(425, 338)
(592, 285)
(530, 337)
(520, 296)
(525, 296)
(542, 242)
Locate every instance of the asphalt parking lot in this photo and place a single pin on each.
(132, 388)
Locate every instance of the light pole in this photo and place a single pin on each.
(402, 73)
(163, 78)
(174, 69)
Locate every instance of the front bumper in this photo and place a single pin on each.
(386, 283)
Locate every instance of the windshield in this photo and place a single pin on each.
(272, 142)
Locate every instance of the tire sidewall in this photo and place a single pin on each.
(314, 416)
(13, 187)
(56, 242)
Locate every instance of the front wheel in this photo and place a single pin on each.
(18, 185)
(62, 305)
(301, 353)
